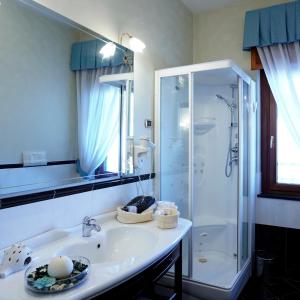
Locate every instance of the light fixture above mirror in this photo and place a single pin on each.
(108, 50)
(135, 44)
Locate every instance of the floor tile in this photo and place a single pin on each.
(255, 290)
(279, 287)
(189, 297)
(293, 296)
(274, 289)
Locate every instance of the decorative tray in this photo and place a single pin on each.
(37, 279)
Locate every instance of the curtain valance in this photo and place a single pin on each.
(85, 56)
(277, 24)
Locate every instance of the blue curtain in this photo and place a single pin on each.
(277, 24)
(85, 56)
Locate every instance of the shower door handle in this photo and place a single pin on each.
(271, 142)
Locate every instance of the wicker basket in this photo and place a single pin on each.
(132, 218)
(168, 221)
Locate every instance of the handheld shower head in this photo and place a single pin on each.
(221, 97)
(230, 105)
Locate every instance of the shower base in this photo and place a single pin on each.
(214, 258)
(205, 291)
(215, 273)
(214, 268)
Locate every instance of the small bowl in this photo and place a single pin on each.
(52, 285)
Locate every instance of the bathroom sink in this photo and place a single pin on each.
(116, 253)
(92, 249)
(116, 244)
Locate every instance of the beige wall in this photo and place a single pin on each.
(37, 87)
(218, 34)
(164, 26)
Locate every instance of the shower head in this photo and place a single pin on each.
(230, 105)
(221, 97)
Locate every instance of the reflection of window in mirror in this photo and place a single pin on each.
(111, 162)
(104, 114)
(104, 95)
(123, 82)
(114, 156)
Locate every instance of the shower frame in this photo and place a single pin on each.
(242, 77)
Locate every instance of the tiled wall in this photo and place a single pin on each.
(22, 222)
(284, 245)
(278, 212)
(13, 180)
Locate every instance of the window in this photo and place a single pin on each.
(280, 152)
(119, 158)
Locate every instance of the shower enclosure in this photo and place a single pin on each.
(205, 163)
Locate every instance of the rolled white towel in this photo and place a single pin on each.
(166, 204)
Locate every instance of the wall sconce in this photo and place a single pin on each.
(108, 50)
(135, 44)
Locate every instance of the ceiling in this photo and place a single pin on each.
(197, 6)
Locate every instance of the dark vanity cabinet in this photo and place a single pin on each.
(143, 286)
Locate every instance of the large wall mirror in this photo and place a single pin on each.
(66, 102)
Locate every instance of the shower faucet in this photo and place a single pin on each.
(235, 149)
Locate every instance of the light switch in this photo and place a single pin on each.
(148, 123)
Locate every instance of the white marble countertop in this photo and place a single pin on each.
(103, 276)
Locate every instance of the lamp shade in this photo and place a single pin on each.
(108, 50)
(136, 44)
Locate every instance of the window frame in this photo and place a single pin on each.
(270, 186)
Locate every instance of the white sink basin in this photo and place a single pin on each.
(124, 251)
(116, 244)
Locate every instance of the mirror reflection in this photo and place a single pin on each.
(66, 99)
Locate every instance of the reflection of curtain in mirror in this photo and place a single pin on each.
(98, 119)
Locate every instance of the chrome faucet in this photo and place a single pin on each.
(88, 225)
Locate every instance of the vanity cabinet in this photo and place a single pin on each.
(142, 285)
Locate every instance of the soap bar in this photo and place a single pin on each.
(60, 267)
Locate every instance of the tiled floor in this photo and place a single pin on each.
(277, 288)
(273, 289)
(189, 297)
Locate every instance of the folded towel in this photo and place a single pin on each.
(139, 204)
(166, 208)
(132, 218)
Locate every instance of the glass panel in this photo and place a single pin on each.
(215, 179)
(127, 128)
(244, 200)
(288, 154)
(174, 151)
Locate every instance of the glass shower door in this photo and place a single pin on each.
(174, 147)
(203, 164)
(244, 179)
(215, 177)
